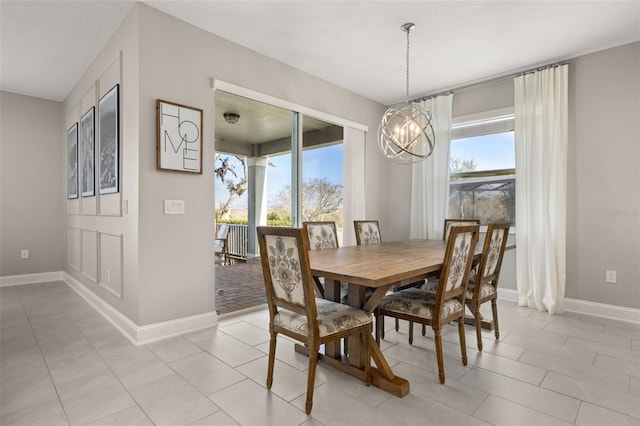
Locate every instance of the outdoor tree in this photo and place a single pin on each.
(319, 199)
(234, 177)
(457, 165)
(456, 198)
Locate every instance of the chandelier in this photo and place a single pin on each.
(405, 134)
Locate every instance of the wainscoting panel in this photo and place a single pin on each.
(90, 255)
(110, 269)
(74, 247)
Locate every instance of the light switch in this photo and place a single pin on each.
(173, 206)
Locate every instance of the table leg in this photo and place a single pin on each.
(332, 292)
(355, 297)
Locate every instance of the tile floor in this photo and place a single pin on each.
(62, 363)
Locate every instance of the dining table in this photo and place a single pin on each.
(376, 267)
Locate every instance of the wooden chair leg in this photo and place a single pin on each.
(272, 358)
(397, 324)
(379, 326)
(494, 309)
(424, 330)
(463, 343)
(411, 332)
(439, 354)
(478, 321)
(381, 329)
(313, 362)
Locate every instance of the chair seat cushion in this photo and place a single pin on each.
(332, 318)
(418, 303)
(485, 291)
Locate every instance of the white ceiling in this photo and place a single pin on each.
(47, 45)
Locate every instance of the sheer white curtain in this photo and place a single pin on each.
(541, 187)
(430, 178)
(354, 181)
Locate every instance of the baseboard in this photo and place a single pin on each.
(141, 335)
(619, 313)
(31, 278)
(507, 294)
(601, 310)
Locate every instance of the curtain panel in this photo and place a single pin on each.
(430, 178)
(541, 104)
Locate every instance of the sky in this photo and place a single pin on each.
(491, 152)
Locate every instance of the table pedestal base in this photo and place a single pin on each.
(394, 385)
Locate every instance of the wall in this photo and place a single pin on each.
(603, 177)
(31, 176)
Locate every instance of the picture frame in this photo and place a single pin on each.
(179, 137)
(87, 154)
(72, 162)
(108, 142)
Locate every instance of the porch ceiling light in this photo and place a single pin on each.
(405, 134)
(231, 117)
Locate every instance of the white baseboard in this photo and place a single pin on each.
(31, 278)
(619, 313)
(140, 335)
(507, 294)
(614, 312)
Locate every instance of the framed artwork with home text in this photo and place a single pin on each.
(179, 137)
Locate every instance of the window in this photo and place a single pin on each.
(482, 168)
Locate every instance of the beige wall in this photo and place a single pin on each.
(603, 177)
(32, 185)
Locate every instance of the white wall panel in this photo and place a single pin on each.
(74, 246)
(110, 269)
(90, 255)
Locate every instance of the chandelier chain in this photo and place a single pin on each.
(408, 32)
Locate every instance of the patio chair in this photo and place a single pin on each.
(484, 287)
(293, 309)
(447, 304)
(221, 243)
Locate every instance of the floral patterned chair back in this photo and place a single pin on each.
(448, 223)
(458, 257)
(322, 235)
(493, 251)
(367, 232)
(283, 253)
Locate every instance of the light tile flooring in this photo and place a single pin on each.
(62, 363)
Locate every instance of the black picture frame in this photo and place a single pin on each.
(108, 142)
(87, 154)
(72, 162)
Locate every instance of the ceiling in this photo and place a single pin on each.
(47, 45)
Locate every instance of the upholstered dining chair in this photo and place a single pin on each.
(367, 232)
(293, 309)
(322, 235)
(484, 287)
(448, 223)
(447, 304)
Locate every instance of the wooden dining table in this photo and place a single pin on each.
(378, 267)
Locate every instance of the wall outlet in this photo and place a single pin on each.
(610, 277)
(24, 254)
